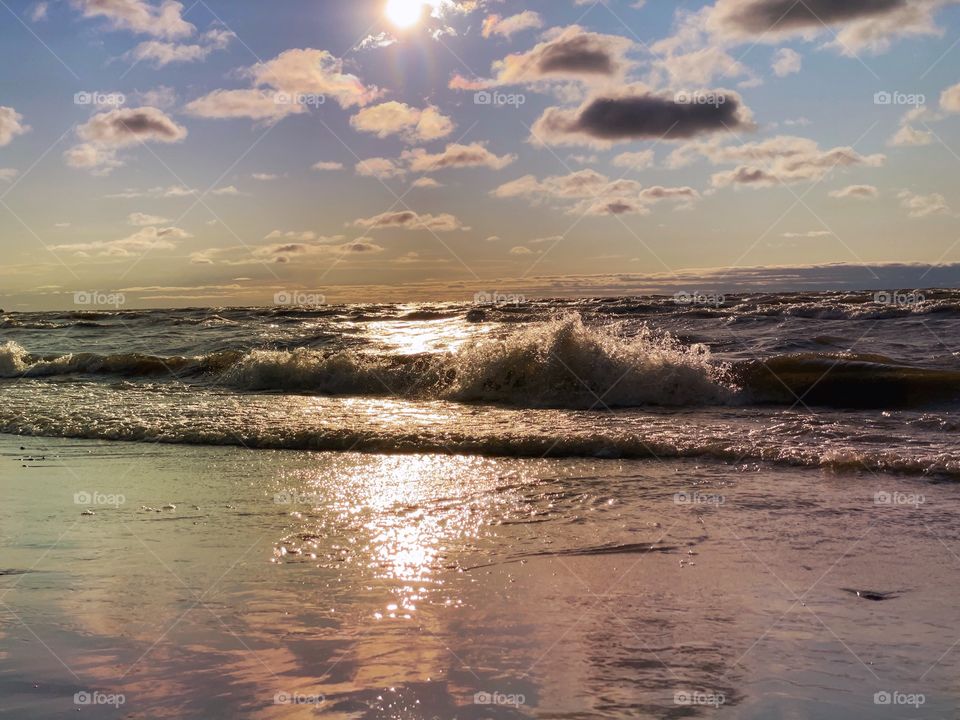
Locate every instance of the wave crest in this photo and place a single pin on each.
(568, 364)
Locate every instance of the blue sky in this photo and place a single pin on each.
(218, 152)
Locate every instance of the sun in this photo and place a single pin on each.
(405, 13)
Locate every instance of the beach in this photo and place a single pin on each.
(480, 360)
(292, 584)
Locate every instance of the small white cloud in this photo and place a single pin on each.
(862, 192)
(325, 165)
(396, 118)
(141, 219)
(923, 205)
(509, 26)
(786, 62)
(11, 125)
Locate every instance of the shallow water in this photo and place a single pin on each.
(403, 585)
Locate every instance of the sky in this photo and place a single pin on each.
(158, 153)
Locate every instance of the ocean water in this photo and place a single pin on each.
(608, 508)
(815, 380)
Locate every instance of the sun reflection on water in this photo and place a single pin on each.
(396, 520)
(425, 336)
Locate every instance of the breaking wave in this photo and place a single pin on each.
(562, 363)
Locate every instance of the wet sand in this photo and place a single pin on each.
(296, 584)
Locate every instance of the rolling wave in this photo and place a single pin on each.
(562, 363)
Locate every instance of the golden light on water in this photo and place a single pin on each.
(411, 338)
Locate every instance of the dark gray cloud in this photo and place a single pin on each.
(581, 54)
(606, 120)
(129, 126)
(760, 16)
(856, 24)
(570, 52)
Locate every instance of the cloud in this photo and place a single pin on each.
(142, 241)
(296, 246)
(39, 12)
(396, 118)
(138, 16)
(227, 190)
(107, 132)
(86, 156)
(419, 160)
(923, 205)
(907, 136)
(131, 126)
(455, 155)
(173, 191)
(858, 25)
(587, 192)
(380, 40)
(459, 82)
(855, 191)
(786, 62)
(161, 96)
(950, 99)
(425, 182)
(410, 220)
(8, 174)
(380, 167)
(299, 236)
(509, 26)
(326, 165)
(700, 67)
(605, 120)
(809, 234)
(253, 104)
(783, 159)
(570, 53)
(284, 253)
(309, 71)
(141, 219)
(286, 85)
(521, 250)
(635, 160)
(161, 54)
(11, 125)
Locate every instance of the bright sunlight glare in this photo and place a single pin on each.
(404, 13)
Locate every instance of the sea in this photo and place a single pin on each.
(690, 506)
(848, 381)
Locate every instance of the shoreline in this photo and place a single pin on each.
(542, 580)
